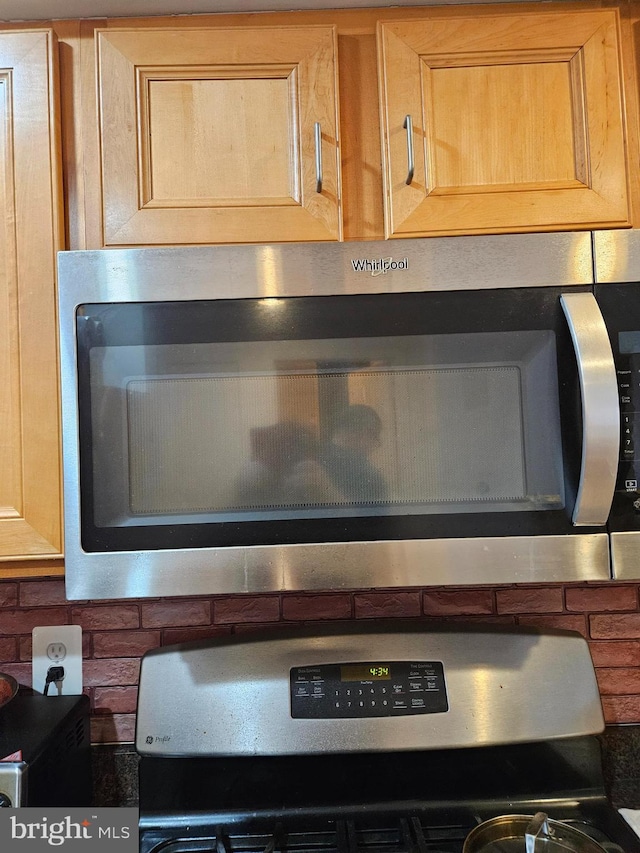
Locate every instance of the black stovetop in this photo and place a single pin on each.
(416, 831)
(392, 802)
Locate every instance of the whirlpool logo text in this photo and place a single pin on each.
(378, 266)
(81, 830)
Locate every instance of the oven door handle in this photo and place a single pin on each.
(600, 409)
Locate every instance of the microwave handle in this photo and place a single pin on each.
(600, 409)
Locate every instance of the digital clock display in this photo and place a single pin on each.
(365, 672)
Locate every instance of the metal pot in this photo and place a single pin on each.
(528, 834)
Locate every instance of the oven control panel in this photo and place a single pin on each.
(368, 689)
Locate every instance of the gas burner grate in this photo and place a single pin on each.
(341, 836)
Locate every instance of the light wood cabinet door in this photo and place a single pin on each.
(30, 235)
(515, 123)
(219, 135)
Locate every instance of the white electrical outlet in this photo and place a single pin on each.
(57, 645)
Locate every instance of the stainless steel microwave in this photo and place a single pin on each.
(303, 417)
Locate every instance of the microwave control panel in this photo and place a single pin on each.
(620, 306)
(627, 364)
(368, 689)
(628, 376)
(625, 512)
(627, 500)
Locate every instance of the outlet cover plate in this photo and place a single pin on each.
(46, 641)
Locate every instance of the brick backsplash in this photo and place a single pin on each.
(117, 634)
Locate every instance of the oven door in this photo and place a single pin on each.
(232, 445)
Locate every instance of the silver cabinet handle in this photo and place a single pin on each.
(600, 409)
(318, 134)
(408, 126)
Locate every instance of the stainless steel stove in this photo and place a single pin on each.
(388, 738)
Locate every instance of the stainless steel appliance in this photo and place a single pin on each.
(617, 267)
(254, 418)
(389, 737)
(52, 734)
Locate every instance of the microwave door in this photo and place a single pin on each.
(600, 409)
(200, 459)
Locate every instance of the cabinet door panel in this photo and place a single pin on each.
(493, 147)
(30, 505)
(188, 119)
(517, 123)
(209, 135)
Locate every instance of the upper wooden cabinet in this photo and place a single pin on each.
(30, 235)
(219, 135)
(512, 122)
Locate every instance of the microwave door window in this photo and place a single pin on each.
(336, 428)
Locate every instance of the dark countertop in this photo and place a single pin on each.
(115, 775)
(621, 763)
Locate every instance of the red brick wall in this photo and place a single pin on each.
(115, 635)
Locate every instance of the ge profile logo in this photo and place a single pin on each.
(149, 739)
